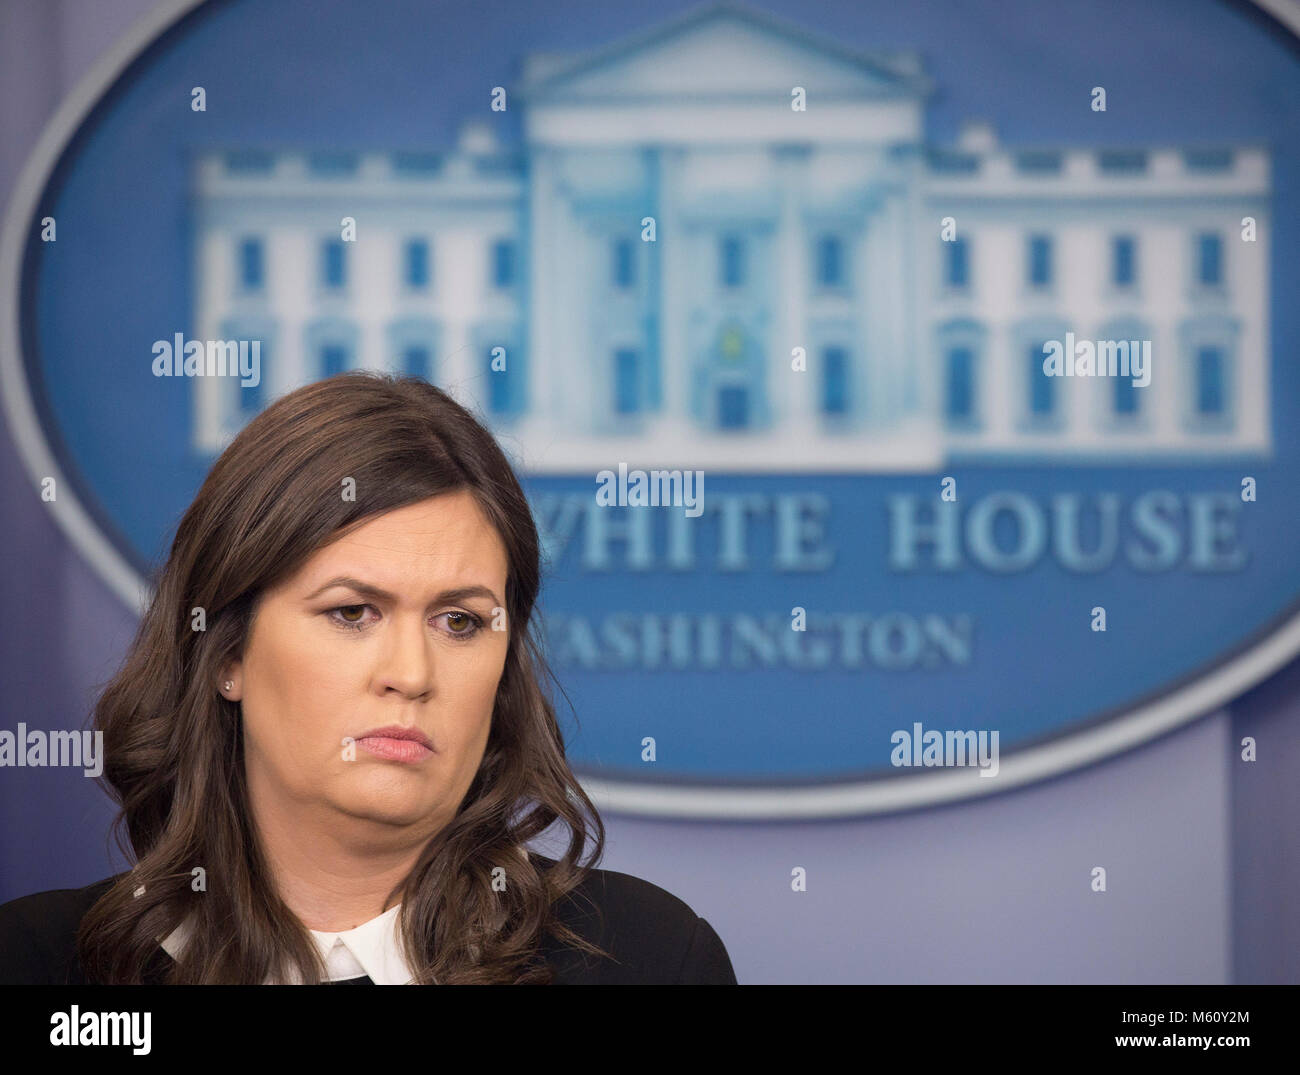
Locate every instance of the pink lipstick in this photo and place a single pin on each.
(396, 744)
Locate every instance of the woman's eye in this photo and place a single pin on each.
(350, 616)
(462, 624)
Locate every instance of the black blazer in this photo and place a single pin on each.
(653, 937)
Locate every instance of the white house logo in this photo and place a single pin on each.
(985, 423)
(654, 299)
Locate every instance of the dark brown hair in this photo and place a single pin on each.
(174, 745)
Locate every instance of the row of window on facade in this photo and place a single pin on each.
(830, 266)
(941, 159)
(1208, 399)
(1204, 379)
(332, 346)
(340, 164)
(840, 389)
(1205, 160)
(841, 381)
(334, 270)
(417, 263)
(828, 263)
(1122, 272)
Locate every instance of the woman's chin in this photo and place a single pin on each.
(388, 805)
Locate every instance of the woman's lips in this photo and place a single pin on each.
(395, 749)
(396, 744)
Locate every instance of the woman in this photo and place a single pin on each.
(330, 741)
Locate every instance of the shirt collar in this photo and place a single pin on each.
(372, 948)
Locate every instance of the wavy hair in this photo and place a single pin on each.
(174, 746)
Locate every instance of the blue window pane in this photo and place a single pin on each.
(961, 383)
(333, 359)
(333, 163)
(958, 267)
(417, 163)
(1040, 260)
(1122, 161)
(733, 261)
(1208, 160)
(1209, 380)
(503, 263)
(1126, 398)
(733, 407)
(624, 269)
(949, 162)
(835, 382)
(333, 263)
(1123, 270)
(1210, 269)
(1039, 162)
(250, 264)
(1040, 385)
(415, 361)
(830, 261)
(256, 161)
(417, 263)
(627, 395)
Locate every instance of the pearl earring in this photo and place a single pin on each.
(228, 684)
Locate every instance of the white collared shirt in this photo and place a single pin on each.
(372, 948)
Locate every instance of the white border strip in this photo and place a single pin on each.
(823, 801)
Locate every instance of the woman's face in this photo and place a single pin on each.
(386, 632)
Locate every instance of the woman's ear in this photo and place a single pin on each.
(231, 681)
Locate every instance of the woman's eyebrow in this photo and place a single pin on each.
(458, 593)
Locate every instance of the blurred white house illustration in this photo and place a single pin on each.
(673, 228)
